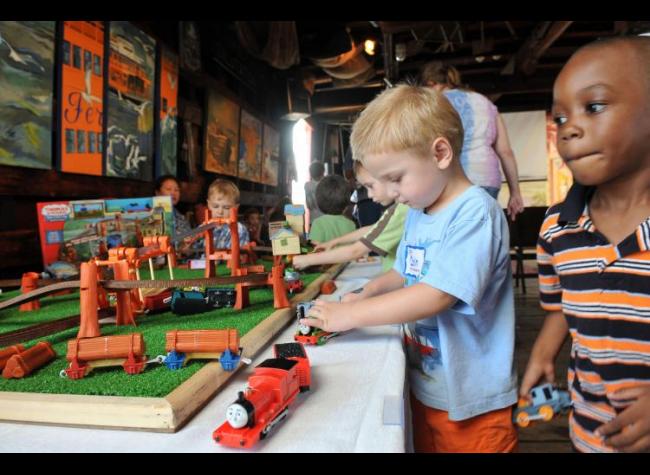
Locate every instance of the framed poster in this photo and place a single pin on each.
(190, 46)
(82, 97)
(26, 89)
(270, 156)
(250, 148)
(168, 106)
(129, 128)
(222, 135)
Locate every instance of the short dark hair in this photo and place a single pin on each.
(332, 194)
(316, 170)
(162, 179)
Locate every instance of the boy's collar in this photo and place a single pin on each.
(574, 203)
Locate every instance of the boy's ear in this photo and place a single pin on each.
(442, 153)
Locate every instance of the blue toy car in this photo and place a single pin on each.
(545, 401)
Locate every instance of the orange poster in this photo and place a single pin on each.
(559, 175)
(82, 102)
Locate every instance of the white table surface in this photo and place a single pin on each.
(356, 402)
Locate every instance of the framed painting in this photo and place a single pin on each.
(190, 46)
(222, 135)
(168, 105)
(26, 89)
(82, 97)
(270, 156)
(129, 128)
(250, 148)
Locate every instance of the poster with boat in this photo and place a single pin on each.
(75, 231)
(130, 102)
(82, 97)
(222, 135)
(26, 91)
(270, 156)
(168, 107)
(250, 147)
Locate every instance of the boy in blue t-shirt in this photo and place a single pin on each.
(451, 286)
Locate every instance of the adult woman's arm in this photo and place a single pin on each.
(509, 164)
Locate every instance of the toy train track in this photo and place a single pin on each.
(134, 284)
(11, 283)
(44, 329)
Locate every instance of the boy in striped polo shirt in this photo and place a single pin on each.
(594, 248)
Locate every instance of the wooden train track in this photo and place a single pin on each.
(45, 329)
(256, 278)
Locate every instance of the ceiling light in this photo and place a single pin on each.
(369, 47)
(400, 52)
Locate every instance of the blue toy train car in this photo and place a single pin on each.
(187, 302)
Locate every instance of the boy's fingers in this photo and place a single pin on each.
(625, 418)
(312, 322)
(629, 393)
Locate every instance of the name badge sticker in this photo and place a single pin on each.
(414, 261)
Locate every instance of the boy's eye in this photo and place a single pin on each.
(595, 107)
(559, 120)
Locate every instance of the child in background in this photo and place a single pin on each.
(451, 286)
(382, 238)
(332, 196)
(253, 222)
(167, 185)
(222, 196)
(594, 248)
(316, 171)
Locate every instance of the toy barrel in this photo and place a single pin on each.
(24, 363)
(8, 352)
(106, 347)
(202, 341)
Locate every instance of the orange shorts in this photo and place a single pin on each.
(489, 432)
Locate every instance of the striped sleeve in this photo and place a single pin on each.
(550, 290)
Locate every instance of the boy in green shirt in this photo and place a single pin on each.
(383, 237)
(332, 196)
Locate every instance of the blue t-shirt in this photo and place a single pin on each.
(462, 360)
(221, 236)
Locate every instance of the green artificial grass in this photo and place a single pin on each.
(156, 380)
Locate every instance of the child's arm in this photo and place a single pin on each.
(629, 431)
(334, 256)
(399, 306)
(345, 239)
(545, 350)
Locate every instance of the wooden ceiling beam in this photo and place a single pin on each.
(541, 38)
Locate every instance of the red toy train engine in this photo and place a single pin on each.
(272, 387)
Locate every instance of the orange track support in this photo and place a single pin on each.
(124, 309)
(29, 282)
(26, 362)
(89, 322)
(8, 353)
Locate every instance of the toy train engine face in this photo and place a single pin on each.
(241, 413)
(302, 309)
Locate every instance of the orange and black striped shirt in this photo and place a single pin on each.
(604, 292)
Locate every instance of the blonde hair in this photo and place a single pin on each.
(440, 73)
(224, 187)
(403, 118)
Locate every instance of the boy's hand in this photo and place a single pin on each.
(300, 262)
(535, 371)
(515, 205)
(329, 316)
(630, 430)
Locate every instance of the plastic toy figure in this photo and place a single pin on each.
(545, 402)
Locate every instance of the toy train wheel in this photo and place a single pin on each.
(546, 412)
(523, 419)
